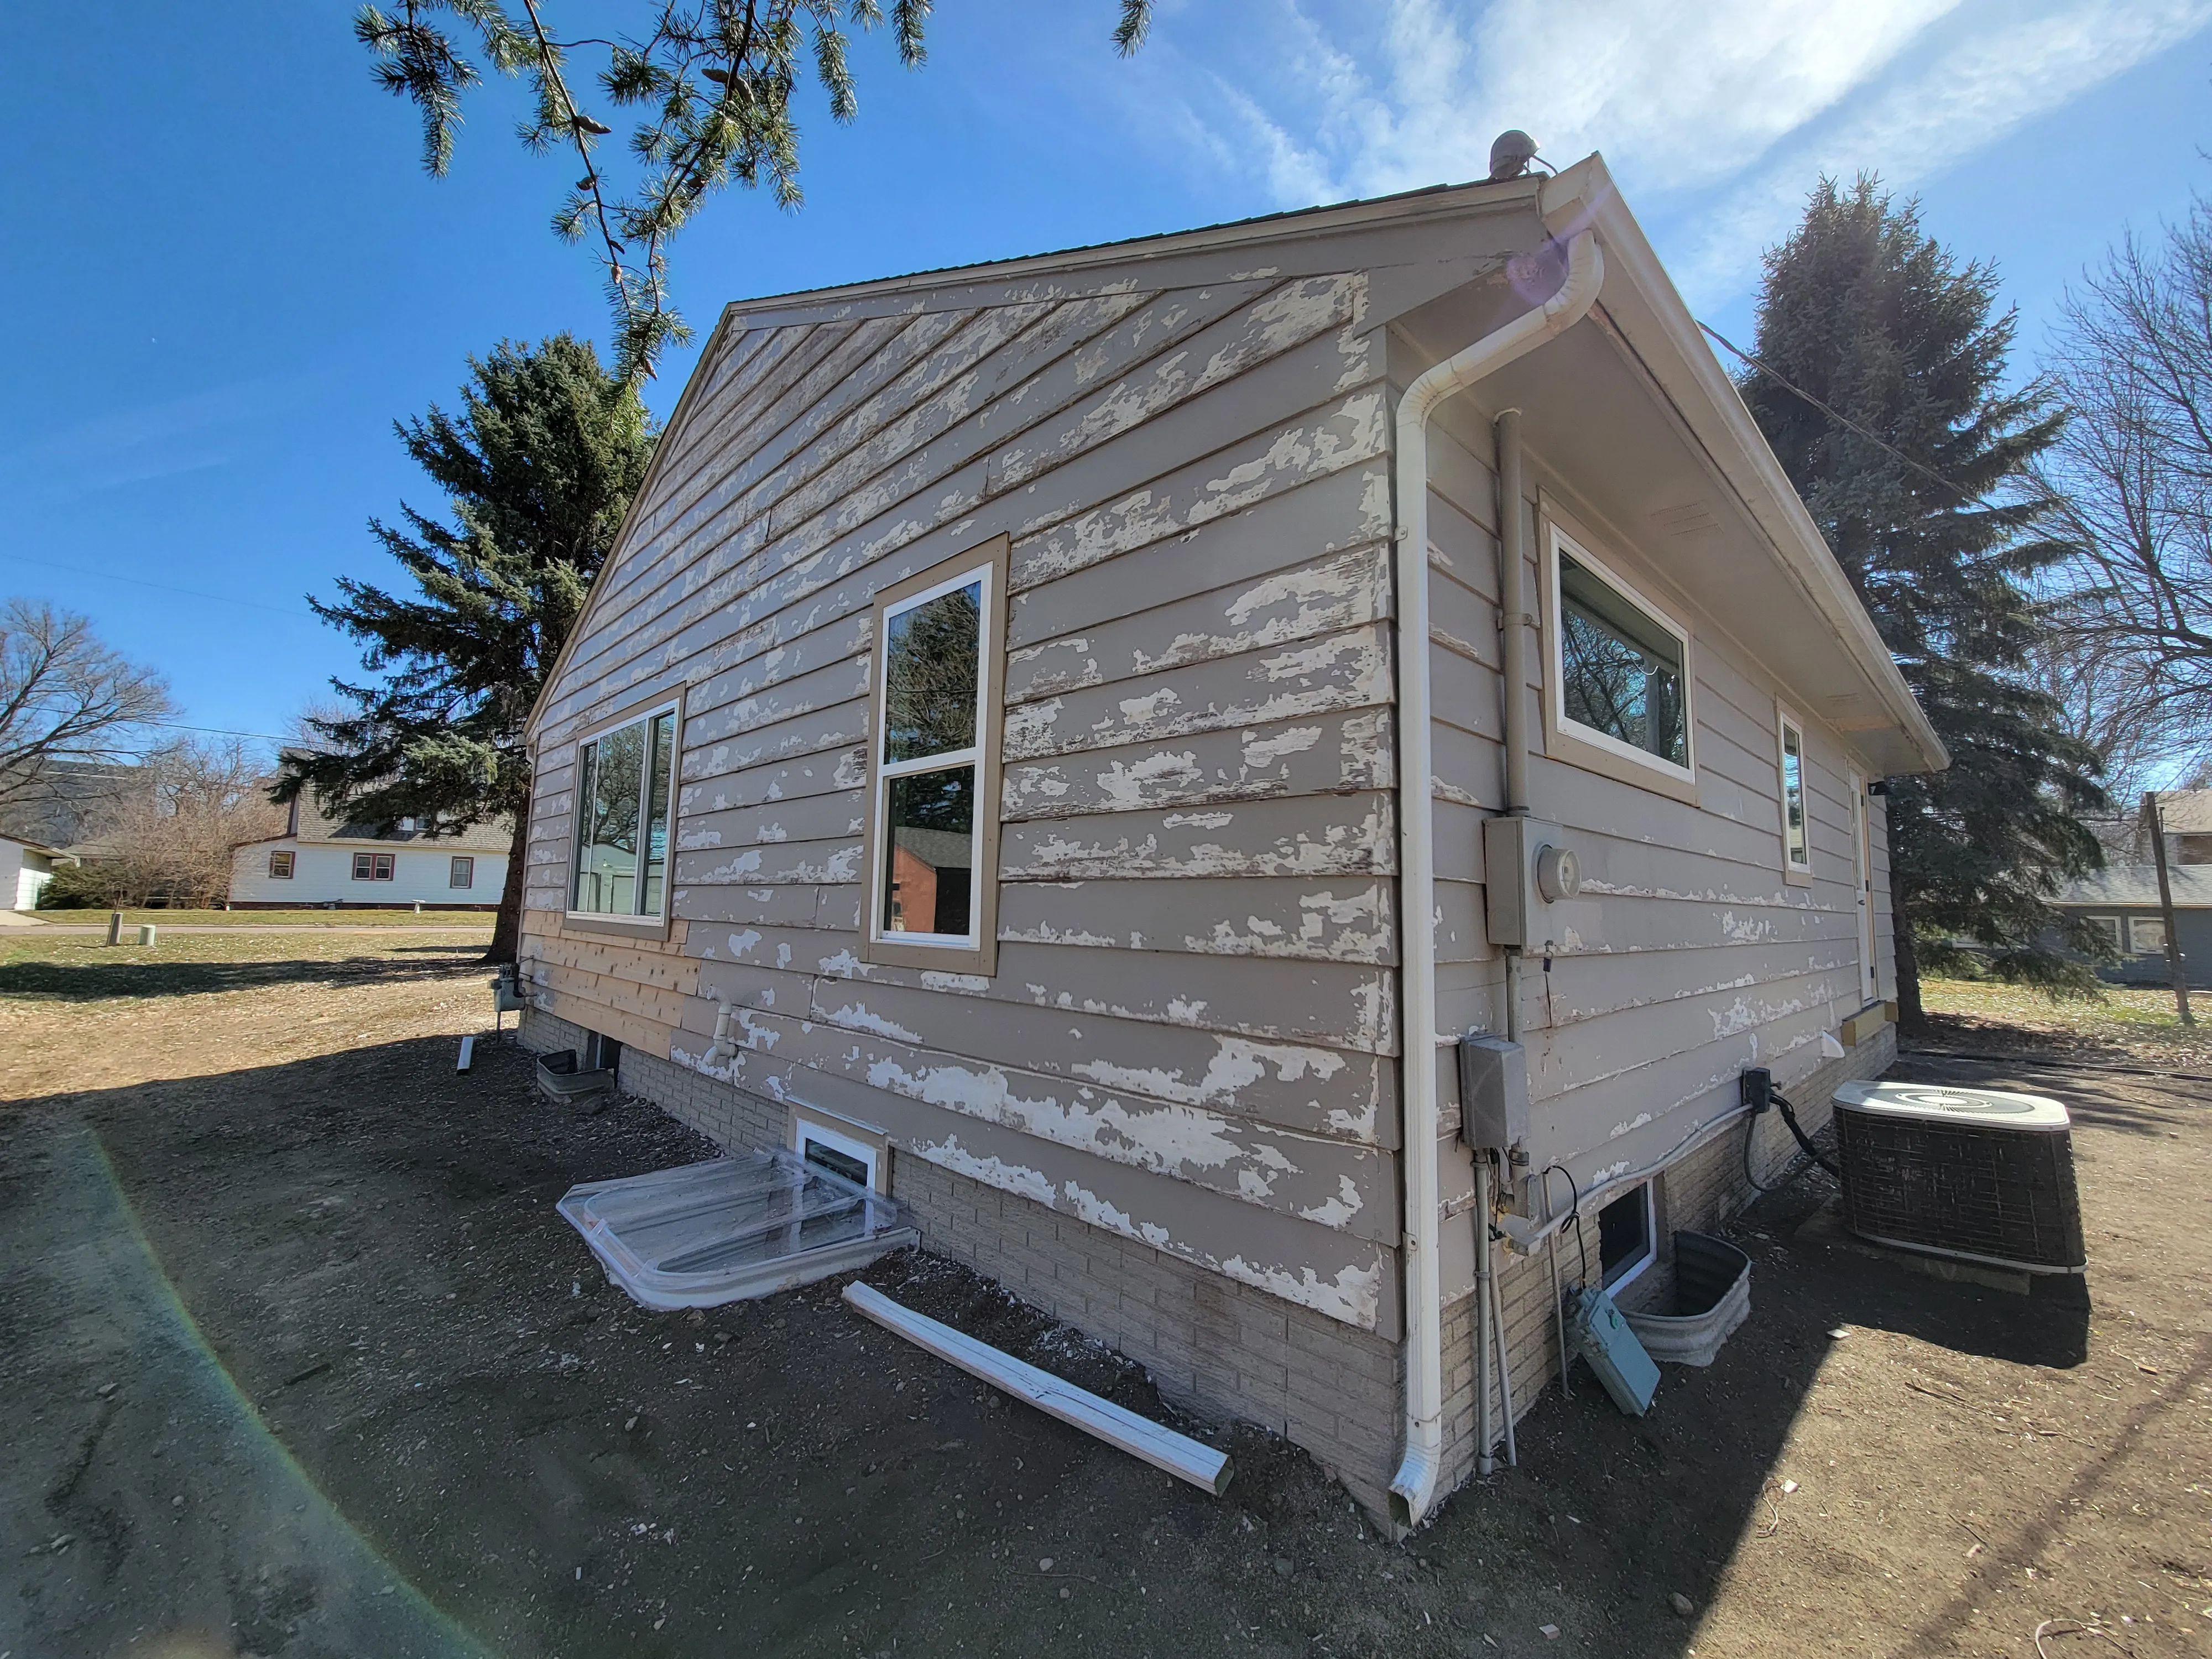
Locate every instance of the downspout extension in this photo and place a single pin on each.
(1413, 1489)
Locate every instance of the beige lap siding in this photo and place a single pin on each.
(1189, 1039)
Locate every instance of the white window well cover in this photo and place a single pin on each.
(733, 1228)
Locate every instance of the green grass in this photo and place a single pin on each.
(131, 918)
(2125, 1023)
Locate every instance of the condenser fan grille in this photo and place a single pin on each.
(1961, 1187)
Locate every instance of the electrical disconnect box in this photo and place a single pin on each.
(1528, 868)
(1493, 1093)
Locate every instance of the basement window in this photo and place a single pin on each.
(1626, 1237)
(625, 781)
(933, 765)
(845, 1155)
(1619, 667)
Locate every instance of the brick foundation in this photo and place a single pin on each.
(1216, 1348)
(1224, 1350)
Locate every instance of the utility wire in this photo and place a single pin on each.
(163, 587)
(1879, 443)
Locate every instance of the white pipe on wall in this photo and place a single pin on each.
(1413, 1489)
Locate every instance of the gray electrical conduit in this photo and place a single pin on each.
(1413, 1488)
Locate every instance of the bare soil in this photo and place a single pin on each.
(299, 1360)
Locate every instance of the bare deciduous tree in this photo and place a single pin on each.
(2132, 609)
(174, 839)
(63, 696)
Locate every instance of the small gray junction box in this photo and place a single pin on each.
(1493, 1092)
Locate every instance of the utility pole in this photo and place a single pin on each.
(2173, 966)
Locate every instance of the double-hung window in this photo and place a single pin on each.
(932, 822)
(372, 866)
(1619, 672)
(463, 873)
(1796, 831)
(280, 866)
(625, 785)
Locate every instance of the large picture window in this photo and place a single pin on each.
(1619, 668)
(625, 781)
(933, 785)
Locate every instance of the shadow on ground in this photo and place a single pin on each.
(93, 981)
(367, 1245)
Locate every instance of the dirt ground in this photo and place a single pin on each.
(299, 1360)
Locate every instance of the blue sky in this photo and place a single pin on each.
(228, 274)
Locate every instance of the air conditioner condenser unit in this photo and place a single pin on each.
(1974, 1174)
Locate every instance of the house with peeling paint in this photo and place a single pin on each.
(1079, 741)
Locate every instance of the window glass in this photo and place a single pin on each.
(463, 874)
(1620, 672)
(1623, 1231)
(1793, 797)
(930, 659)
(656, 812)
(929, 821)
(838, 1162)
(2147, 935)
(384, 866)
(280, 866)
(2109, 927)
(624, 785)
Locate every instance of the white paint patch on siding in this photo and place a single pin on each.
(1266, 751)
(993, 1171)
(858, 1016)
(1339, 1210)
(1353, 1296)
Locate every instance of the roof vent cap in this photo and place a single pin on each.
(1510, 152)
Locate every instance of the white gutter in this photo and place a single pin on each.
(1413, 1489)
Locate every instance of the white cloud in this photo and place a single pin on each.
(1738, 103)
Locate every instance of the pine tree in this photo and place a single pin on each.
(538, 467)
(1873, 318)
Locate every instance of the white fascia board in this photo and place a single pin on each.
(1666, 336)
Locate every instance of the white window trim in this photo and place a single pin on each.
(648, 922)
(944, 761)
(1555, 645)
(870, 1155)
(1635, 1269)
(2115, 924)
(2134, 923)
(1786, 720)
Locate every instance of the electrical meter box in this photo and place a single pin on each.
(1528, 869)
(1493, 1093)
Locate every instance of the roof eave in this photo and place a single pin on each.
(1666, 337)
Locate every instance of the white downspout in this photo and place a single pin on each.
(1415, 1487)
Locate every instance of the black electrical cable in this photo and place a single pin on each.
(1574, 1212)
(1789, 1117)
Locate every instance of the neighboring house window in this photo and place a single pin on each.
(2146, 935)
(2109, 927)
(2192, 850)
(464, 873)
(625, 780)
(372, 866)
(1619, 668)
(1797, 834)
(1626, 1238)
(933, 764)
(280, 866)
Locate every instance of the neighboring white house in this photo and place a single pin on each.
(25, 868)
(321, 862)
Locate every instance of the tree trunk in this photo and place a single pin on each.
(507, 927)
(1911, 1019)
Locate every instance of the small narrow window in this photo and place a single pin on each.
(933, 786)
(280, 866)
(2146, 935)
(1619, 669)
(1625, 1237)
(1797, 839)
(625, 780)
(464, 873)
